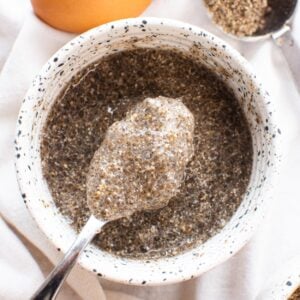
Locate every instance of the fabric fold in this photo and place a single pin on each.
(240, 277)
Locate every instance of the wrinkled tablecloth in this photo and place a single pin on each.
(25, 45)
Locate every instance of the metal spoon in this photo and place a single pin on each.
(279, 28)
(51, 286)
(104, 202)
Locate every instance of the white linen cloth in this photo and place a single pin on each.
(25, 45)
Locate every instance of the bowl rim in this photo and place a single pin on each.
(284, 282)
(174, 24)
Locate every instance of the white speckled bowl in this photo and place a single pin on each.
(216, 55)
(283, 283)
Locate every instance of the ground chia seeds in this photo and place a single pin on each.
(295, 295)
(240, 17)
(250, 17)
(215, 178)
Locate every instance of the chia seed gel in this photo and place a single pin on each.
(141, 162)
(214, 181)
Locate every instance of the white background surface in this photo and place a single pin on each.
(25, 45)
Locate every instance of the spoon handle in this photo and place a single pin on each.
(291, 50)
(51, 286)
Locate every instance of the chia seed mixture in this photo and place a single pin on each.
(295, 295)
(240, 17)
(250, 17)
(215, 179)
(141, 162)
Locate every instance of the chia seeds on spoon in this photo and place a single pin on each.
(140, 163)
